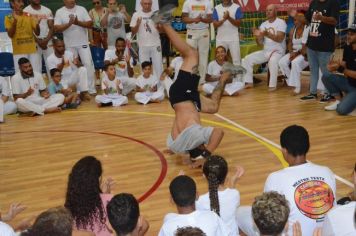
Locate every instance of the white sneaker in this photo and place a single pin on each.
(332, 106)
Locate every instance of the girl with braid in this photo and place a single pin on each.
(222, 197)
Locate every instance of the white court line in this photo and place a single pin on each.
(348, 183)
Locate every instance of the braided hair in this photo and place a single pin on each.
(215, 169)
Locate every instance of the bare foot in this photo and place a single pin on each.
(53, 110)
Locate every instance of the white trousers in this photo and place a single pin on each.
(146, 97)
(6, 108)
(200, 39)
(260, 57)
(86, 58)
(167, 83)
(79, 78)
(39, 104)
(233, 47)
(45, 53)
(116, 99)
(128, 84)
(230, 88)
(34, 59)
(153, 53)
(298, 64)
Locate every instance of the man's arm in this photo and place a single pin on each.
(236, 21)
(350, 73)
(104, 21)
(85, 24)
(59, 28)
(208, 19)
(134, 29)
(186, 19)
(10, 26)
(279, 37)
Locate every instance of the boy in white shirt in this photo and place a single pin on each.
(148, 38)
(147, 86)
(6, 105)
(214, 73)
(30, 93)
(112, 87)
(122, 60)
(183, 193)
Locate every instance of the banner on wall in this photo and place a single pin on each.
(282, 5)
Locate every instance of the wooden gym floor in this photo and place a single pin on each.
(37, 153)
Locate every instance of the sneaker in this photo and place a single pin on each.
(311, 96)
(332, 106)
(233, 69)
(326, 98)
(163, 15)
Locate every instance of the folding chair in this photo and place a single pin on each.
(7, 68)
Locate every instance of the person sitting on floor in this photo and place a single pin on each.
(71, 100)
(6, 105)
(30, 93)
(112, 88)
(147, 86)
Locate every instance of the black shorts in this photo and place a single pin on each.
(185, 88)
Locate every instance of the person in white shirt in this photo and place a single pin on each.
(214, 74)
(74, 21)
(197, 14)
(271, 35)
(111, 87)
(184, 193)
(30, 93)
(309, 188)
(174, 67)
(148, 39)
(222, 198)
(341, 220)
(296, 58)
(74, 75)
(44, 39)
(227, 18)
(148, 88)
(6, 105)
(114, 20)
(122, 60)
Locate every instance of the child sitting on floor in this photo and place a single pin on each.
(147, 86)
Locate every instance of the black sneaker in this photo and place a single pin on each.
(327, 98)
(309, 97)
(163, 15)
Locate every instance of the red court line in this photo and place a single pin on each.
(159, 154)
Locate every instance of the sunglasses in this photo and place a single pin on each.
(96, 3)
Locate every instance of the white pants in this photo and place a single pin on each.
(233, 47)
(200, 39)
(85, 56)
(153, 53)
(128, 84)
(79, 78)
(260, 57)
(6, 108)
(39, 104)
(230, 88)
(293, 74)
(34, 59)
(45, 53)
(146, 97)
(167, 83)
(116, 99)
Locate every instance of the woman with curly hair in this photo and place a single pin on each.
(86, 200)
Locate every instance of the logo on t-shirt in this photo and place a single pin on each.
(198, 7)
(115, 22)
(313, 197)
(314, 25)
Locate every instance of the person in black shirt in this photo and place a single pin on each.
(322, 16)
(346, 83)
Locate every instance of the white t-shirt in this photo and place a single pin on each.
(147, 34)
(111, 85)
(75, 35)
(274, 27)
(4, 87)
(44, 14)
(229, 200)
(68, 68)
(209, 222)
(340, 221)
(297, 44)
(227, 31)
(146, 83)
(121, 66)
(116, 27)
(21, 86)
(176, 63)
(194, 8)
(6, 230)
(310, 190)
(214, 69)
